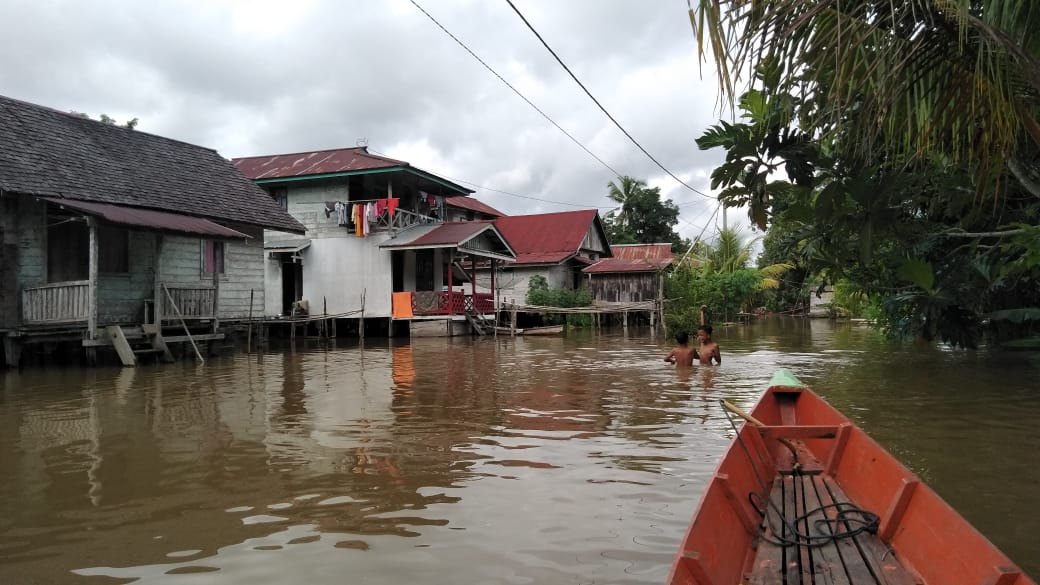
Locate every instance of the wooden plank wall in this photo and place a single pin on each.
(640, 286)
(243, 270)
(121, 296)
(8, 263)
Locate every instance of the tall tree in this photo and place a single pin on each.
(642, 217)
(957, 78)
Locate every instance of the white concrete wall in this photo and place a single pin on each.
(513, 284)
(341, 269)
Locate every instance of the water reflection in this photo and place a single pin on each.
(488, 460)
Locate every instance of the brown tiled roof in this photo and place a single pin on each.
(548, 238)
(50, 153)
(473, 205)
(634, 258)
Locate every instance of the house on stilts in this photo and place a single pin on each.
(384, 248)
(115, 238)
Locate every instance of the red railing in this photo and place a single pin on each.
(454, 303)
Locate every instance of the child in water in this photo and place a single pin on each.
(684, 354)
(709, 349)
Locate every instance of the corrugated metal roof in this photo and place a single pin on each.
(548, 238)
(449, 235)
(634, 258)
(473, 205)
(288, 246)
(318, 162)
(48, 153)
(149, 219)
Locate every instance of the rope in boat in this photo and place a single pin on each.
(856, 519)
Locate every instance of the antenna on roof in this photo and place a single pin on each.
(363, 141)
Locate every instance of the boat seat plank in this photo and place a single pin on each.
(827, 565)
(799, 562)
(768, 566)
(881, 560)
(851, 556)
(860, 560)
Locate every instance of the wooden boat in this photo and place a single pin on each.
(546, 330)
(803, 496)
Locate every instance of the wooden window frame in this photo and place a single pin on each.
(208, 255)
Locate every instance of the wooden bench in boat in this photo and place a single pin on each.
(813, 501)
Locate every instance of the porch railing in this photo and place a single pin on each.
(60, 302)
(402, 219)
(446, 302)
(195, 301)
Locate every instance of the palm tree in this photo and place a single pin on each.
(623, 194)
(729, 253)
(959, 79)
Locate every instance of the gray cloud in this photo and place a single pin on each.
(265, 77)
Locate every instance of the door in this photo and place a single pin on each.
(292, 285)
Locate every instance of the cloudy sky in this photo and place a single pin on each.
(255, 77)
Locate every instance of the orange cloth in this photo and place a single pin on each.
(402, 305)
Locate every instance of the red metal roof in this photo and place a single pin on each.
(313, 163)
(149, 219)
(548, 238)
(634, 258)
(473, 205)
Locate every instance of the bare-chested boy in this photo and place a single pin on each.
(684, 354)
(709, 349)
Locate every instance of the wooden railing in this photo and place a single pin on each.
(60, 302)
(195, 301)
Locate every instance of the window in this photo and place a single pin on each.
(68, 249)
(212, 256)
(281, 197)
(114, 249)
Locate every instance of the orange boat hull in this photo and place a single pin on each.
(918, 539)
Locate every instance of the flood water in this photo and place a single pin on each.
(575, 459)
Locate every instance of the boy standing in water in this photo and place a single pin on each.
(684, 354)
(709, 349)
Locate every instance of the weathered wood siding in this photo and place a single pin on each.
(9, 262)
(31, 228)
(121, 296)
(243, 270)
(631, 287)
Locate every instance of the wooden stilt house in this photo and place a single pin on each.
(110, 235)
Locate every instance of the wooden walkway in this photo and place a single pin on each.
(811, 505)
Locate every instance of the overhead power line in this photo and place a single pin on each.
(515, 90)
(596, 101)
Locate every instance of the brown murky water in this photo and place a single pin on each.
(576, 459)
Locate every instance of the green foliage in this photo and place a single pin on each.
(641, 216)
(908, 133)
(725, 294)
(539, 294)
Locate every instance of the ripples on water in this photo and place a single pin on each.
(544, 460)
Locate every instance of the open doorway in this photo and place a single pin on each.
(292, 285)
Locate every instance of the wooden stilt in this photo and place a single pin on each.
(249, 331)
(12, 351)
